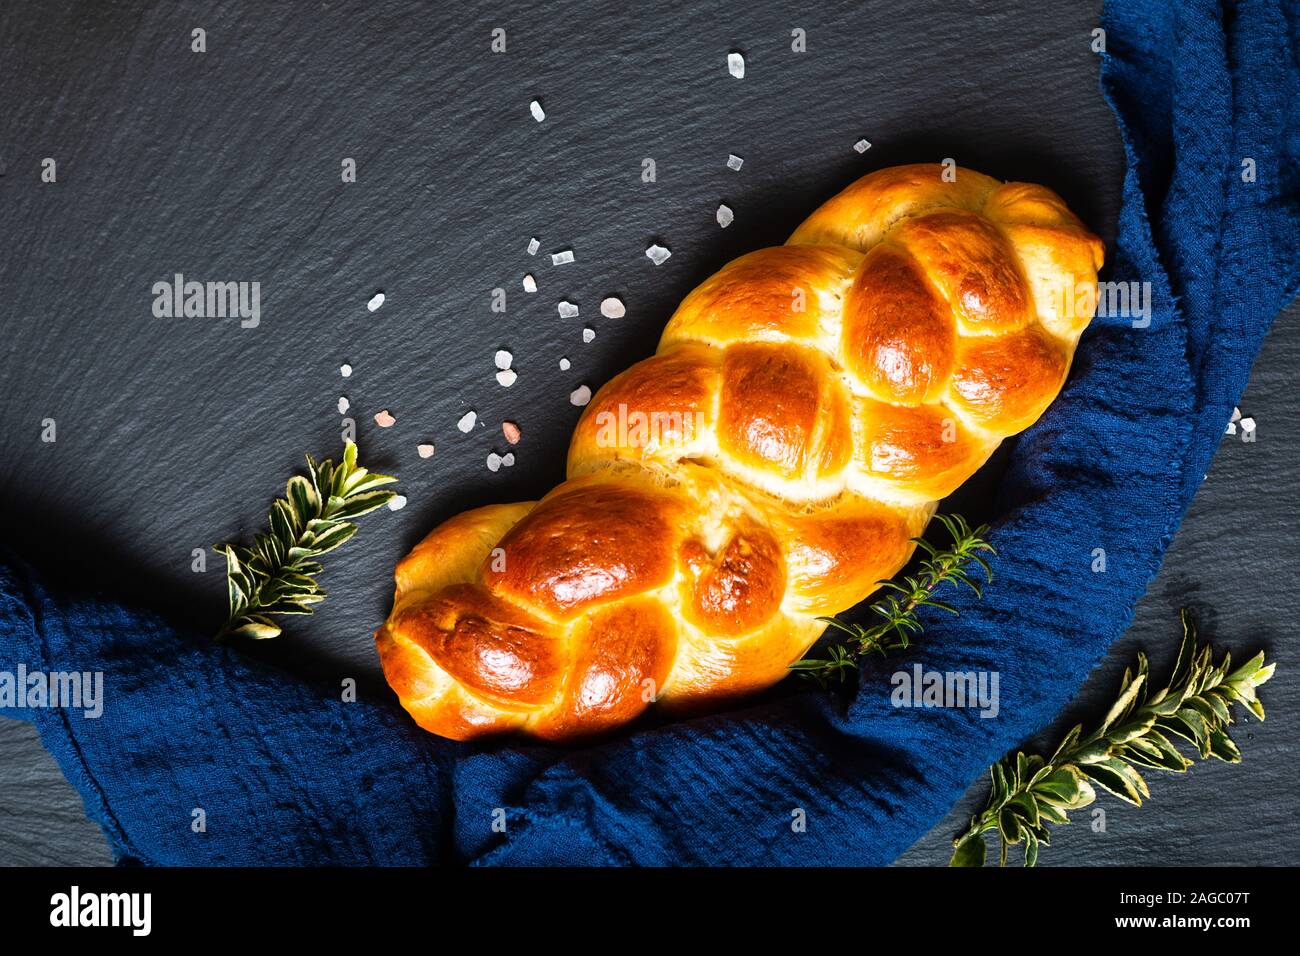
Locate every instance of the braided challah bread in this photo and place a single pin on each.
(807, 407)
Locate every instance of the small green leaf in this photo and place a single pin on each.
(1093, 753)
(1222, 747)
(257, 627)
(1132, 729)
(368, 483)
(1066, 745)
(1060, 787)
(332, 539)
(1186, 650)
(1216, 701)
(1051, 813)
(1195, 724)
(1206, 712)
(1024, 806)
(1009, 826)
(1086, 794)
(1117, 778)
(282, 521)
(1122, 706)
(970, 851)
(999, 782)
(302, 497)
(1173, 760)
(363, 503)
(1031, 850)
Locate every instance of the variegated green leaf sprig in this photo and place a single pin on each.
(897, 621)
(277, 575)
(1028, 792)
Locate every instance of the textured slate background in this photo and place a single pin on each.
(173, 434)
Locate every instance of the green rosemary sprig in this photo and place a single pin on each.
(898, 612)
(277, 575)
(1028, 792)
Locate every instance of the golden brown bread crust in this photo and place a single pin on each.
(807, 407)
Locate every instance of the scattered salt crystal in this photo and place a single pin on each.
(725, 216)
(564, 365)
(736, 65)
(658, 254)
(1231, 429)
(612, 308)
(1236, 414)
(511, 431)
(506, 377)
(734, 162)
(467, 421)
(385, 420)
(567, 310)
(861, 146)
(535, 108)
(530, 284)
(563, 257)
(503, 358)
(588, 334)
(376, 301)
(508, 459)
(345, 370)
(425, 450)
(493, 461)
(397, 502)
(533, 245)
(344, 404)
(580, 396)
(1247, 425)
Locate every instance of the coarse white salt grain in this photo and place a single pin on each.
(612, 308)
(563, 257)
(503, 358)
(530, 284)
(725, 216)
(344, 404)
(535, 108)
(861, 146)
(397, 502)
(1247, 425)
(511, 431)
(345, 371)
(385, 420)
(734, 162)
(580, 396)
(425, 450)
(1236, 414)
(1231, 429)
(506, 377)
(467, 421)
(736, 65)
(533, 245)
(493, 461)
(567, 310)
(658, 254)
(588, 334)
(375, 301)
(564, 365)
(508, 459)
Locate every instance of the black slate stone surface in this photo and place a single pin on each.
(225, 165)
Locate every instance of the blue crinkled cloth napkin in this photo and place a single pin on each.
(289, 774)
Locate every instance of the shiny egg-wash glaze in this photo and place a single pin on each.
(819, 398)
